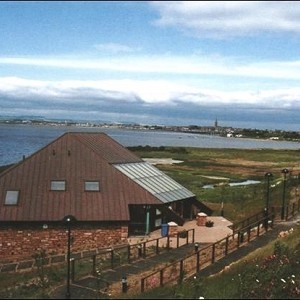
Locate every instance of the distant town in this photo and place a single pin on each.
(215, 129)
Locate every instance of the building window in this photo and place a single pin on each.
(12, 198)
(58, 185)
(92, 186)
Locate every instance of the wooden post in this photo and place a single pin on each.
(198, 262)
(226, 246)
(144, 249)
(161, 277)
(157, 246)
(181, 271)
(128, 253)
(142, 285)
(112, 258)
(213, 253)
(249, 233)
(94, 265)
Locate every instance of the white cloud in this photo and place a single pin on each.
(116, 48)
(169, 64)
(222, 19)
(137, 92)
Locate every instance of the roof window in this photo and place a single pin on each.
(58, 185)
(11, 198)
(92, 186)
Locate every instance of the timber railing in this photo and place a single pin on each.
(203, 257)
(112, 257)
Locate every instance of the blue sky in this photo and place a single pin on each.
(178, 63)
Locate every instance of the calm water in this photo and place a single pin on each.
(19, 140)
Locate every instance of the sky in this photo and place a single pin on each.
(161, 62)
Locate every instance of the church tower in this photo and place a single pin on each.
(216, 123)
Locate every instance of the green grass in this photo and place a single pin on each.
(235, 164)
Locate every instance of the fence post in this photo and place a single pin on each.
(168, 242)
(112, 258)
(293, 209)
(226, 246)
(161, 277)
(213, 253)
(128, 253)
(142, 285)
(157, 246)
(287, 213)
(144, 249)
(177, 240)
(181, 271)
(258, 224)
(187, 238)
(249, 233)
(198, 261)
(94, 265)
(238, 239)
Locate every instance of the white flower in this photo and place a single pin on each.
(201, 297)
(283, 280)
(257, 280)
(293, 282)
(293, 276)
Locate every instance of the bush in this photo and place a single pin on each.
(209, 223)
(182, 234)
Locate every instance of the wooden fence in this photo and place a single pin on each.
(110, 258)
(192, 264)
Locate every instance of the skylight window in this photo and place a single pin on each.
(58, 185)
(92, 186)
(12, 198)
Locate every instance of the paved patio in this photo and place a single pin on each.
(203, 234)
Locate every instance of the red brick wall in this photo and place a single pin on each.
(19, 244)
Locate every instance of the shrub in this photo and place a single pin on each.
(182, 234)
(209, 223)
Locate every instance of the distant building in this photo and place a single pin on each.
(112, 193)
(216, 123)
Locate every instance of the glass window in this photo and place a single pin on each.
(92, 186)
(11, 197)
(58, 185)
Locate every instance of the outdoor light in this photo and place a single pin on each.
(124, 284)
(284, 172)
(68, 220)
(268, 175)
(139, 249)
(196, 247)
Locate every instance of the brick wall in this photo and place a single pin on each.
(18, 244)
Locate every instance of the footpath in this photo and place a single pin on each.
(88, 287)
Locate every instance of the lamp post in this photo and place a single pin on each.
(68, 220)
(284, 171)
(268, 175)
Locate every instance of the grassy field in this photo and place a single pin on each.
(202, 166)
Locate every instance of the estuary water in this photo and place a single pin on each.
(18, 140)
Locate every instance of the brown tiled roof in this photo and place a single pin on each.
(75, 158)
